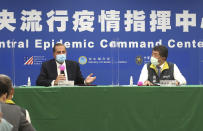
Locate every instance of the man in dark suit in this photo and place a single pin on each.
(12, 113)
(51, 73)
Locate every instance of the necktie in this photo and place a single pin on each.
(158, 70)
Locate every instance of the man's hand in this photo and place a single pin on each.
(90, 79)
(147, 83)
(59, 77)
(177, 83)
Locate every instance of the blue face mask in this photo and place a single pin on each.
(61, 58)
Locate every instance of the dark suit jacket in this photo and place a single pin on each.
(14, 115)
(49, 73)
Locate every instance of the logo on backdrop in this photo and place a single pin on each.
(28, 60)
(147, 59)
(82, 60)
(139, 60)
(99, 60)
(34, 60)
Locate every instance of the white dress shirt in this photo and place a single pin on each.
(176, 73)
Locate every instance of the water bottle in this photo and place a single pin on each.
(131, 80)
(28, 81)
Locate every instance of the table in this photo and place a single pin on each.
(108, 108)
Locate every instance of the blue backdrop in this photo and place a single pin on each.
(111, 38)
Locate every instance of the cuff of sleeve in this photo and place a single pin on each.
(85, 83)
(52, 83)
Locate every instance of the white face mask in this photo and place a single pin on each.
(154, 61)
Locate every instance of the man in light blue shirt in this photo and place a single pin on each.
(5, 125)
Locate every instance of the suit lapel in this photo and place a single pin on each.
(69, 69)
(54, 68)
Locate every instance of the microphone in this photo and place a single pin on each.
(140, 83)
(62, 68)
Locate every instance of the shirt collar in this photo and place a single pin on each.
(163, 66)
(58, 64)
